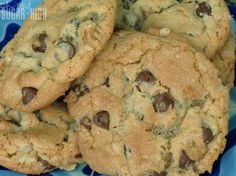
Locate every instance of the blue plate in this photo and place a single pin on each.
(12, 15)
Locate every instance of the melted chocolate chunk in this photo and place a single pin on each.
(42, 47)
(68, 49)
(162, 102)
(102, 119)
(79, 155)
(28, 94)
(203, 9)
(145, 76)
(185, 161)
(207, 135)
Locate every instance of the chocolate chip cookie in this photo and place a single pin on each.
(204, 23)
(150, 106)
(48, 54)
(39, 142)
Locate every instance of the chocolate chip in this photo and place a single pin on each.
(42, 36)
(86, 122)
(185, 161)
(159, 174)
(203, 9)
(79, 155)
(28, 94)
(145, 76)
(162, 102)
(42, 47)
(107, 82)
(207, 135)
(65, 50)
(102, 119)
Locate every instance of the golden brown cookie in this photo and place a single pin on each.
(34, 143)
(204, 23)
(150, 105)
(46, 55)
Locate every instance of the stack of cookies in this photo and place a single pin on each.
(131, 87)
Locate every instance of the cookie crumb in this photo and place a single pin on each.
(165, 32)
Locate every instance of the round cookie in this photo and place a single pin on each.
(204, 23)
(150, 106)
(48, 54)
(35, 143)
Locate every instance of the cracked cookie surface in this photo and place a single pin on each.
(48, 54)
(204, 23)
(150, 106)
(35, 143)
